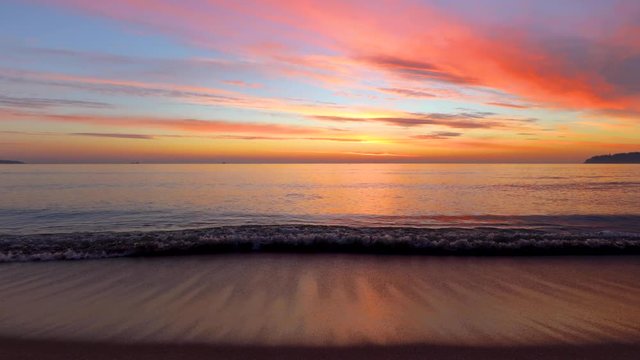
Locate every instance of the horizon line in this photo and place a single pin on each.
(303, 163)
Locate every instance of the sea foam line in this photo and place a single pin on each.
(312, 238)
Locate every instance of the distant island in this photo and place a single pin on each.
(624, 158)
(10, 162)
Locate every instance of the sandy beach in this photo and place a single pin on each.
(322, 306)
(67, 350)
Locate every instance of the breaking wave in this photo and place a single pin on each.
(312, 238)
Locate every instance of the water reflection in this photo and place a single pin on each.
(70, 198)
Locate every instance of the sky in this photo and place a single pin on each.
(318, 81)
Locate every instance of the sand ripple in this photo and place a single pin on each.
(297, 299)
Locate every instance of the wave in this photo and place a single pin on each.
(47, 221)
(313, 238)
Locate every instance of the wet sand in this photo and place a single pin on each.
(325, 306)
(67, 350)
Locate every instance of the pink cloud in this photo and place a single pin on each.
(409, 41)
(241, 83)
(188, 93)
(187, 125)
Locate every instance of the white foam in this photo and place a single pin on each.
(307, 238)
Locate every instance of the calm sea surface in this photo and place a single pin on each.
(71, 198)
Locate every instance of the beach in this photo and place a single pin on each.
(321, 305)
(63, 350)
(357, 261)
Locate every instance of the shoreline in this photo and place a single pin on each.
(484, 241)
(28, 349)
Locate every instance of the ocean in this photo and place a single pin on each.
(86, 211)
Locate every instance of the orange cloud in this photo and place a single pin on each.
(241, 83)
(187, 125)
(462, 120)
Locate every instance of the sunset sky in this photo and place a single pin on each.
(318, 81)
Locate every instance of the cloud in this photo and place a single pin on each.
(509, 105)
(415, 68)
(119, 136)
(462, 120)
(439, 135)
(377, 154)
(240, 137)
(176, 124)
(413, 93)
(117, 86)
(624, 74)
(26, 52)
(241, 83)
(578, 68)
(189, 125)
(44, 103)
(200, 95)
(419, 42)
(334, 139)
(13, 132)
(214, 137)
